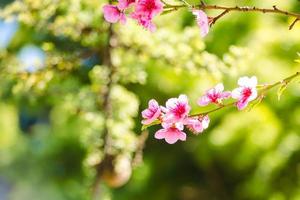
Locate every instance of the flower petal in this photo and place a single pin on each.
(225, 95)
(160, 134)
(202, 21)
(111, 13)
(172, 135)
(219, 87)
(241, 104)
(236, 93)
(203, 101)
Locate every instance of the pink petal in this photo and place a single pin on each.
(182, 136)
(219, 88)
(153, 104)
(203, 101)
(146, 121)
(194, 125)
(172, 135)
(160, 134)
(123, 19)
(111, 13)
(225, 95)
(124, 4)
(236, 93)
(146, 113)
(202, 21)
(241, 104)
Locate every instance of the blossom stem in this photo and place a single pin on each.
(259, 97)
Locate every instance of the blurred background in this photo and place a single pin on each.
(60, 99)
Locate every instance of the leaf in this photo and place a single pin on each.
(255, 103)
(144, 127)
(167, 11)
(298, 60)
(281, 89)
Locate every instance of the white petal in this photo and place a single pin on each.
(171, 103)
(253, 94)
(219, 87)
(252, 82)
(183, 98)
(244, 81)
(236, 93)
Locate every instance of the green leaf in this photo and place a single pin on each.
(254, 103)
(281, 89)
(144, 127)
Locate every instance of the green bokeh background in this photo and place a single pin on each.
(52, 123)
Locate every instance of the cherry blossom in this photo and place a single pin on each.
(171, 135)
(113, 14)
(214, 95)
(197, 124)
(151, 113)
(246, 92)
(176, 110)
(202, 21)
(145, 11)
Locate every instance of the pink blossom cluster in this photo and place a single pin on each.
(174, 116)
(144, 12)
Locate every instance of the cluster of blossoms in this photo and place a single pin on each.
(144, 11)
(175, 115)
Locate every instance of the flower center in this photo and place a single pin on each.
(179, 110)
(213, 97)
(247, 92)
(149, 5)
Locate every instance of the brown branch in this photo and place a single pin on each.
(105, 105)
(138, 157)
(219, 16)
(226, 10)
(293, 24)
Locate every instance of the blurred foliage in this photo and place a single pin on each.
(52, 118)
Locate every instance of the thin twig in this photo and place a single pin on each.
(293, 24)
(219, 16)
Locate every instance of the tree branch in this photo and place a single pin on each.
(226, 10)
(259, 97)
(105, 105)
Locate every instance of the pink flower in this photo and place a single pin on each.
(197, 124)
(246, 92)
(202, 21)
(145, 11)
(151, 113)
(113, 14)
(214, 95)
(144, 21)
(176, 110)
(171, 135)
(124, 4)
